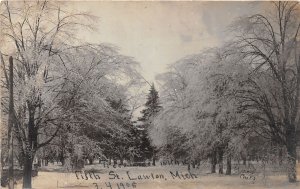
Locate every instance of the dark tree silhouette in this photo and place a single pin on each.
(152, 107)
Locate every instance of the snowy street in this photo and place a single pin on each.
(52, 180)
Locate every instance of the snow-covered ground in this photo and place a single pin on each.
(158, 177)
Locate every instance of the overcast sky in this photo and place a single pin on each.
(159, 33)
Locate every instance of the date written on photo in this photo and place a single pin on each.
(121, 185)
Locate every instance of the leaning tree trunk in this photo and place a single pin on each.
(291, 152)
(27, 171)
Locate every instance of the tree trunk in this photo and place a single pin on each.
(10, 127)
(153, 158)
(62, 160)
(228, 163)
(62, 157)
(280, 154)
(20, 160)
(27, 172)
(197, 164)
(213, 162)
(153, 161)
(291, 153)
(91, 160)
(244, 160)
(220, 153)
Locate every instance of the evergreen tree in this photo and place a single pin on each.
(152, 107)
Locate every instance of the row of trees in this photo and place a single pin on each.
(238, 100)
(72, 100)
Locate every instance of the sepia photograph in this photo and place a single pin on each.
(149, 94)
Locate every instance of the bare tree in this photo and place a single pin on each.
(271, 44)
(58, 78)
(37, 33)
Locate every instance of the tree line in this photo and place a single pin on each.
(72, 99)
(240, 100)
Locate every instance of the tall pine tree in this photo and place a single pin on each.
(152, 107)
